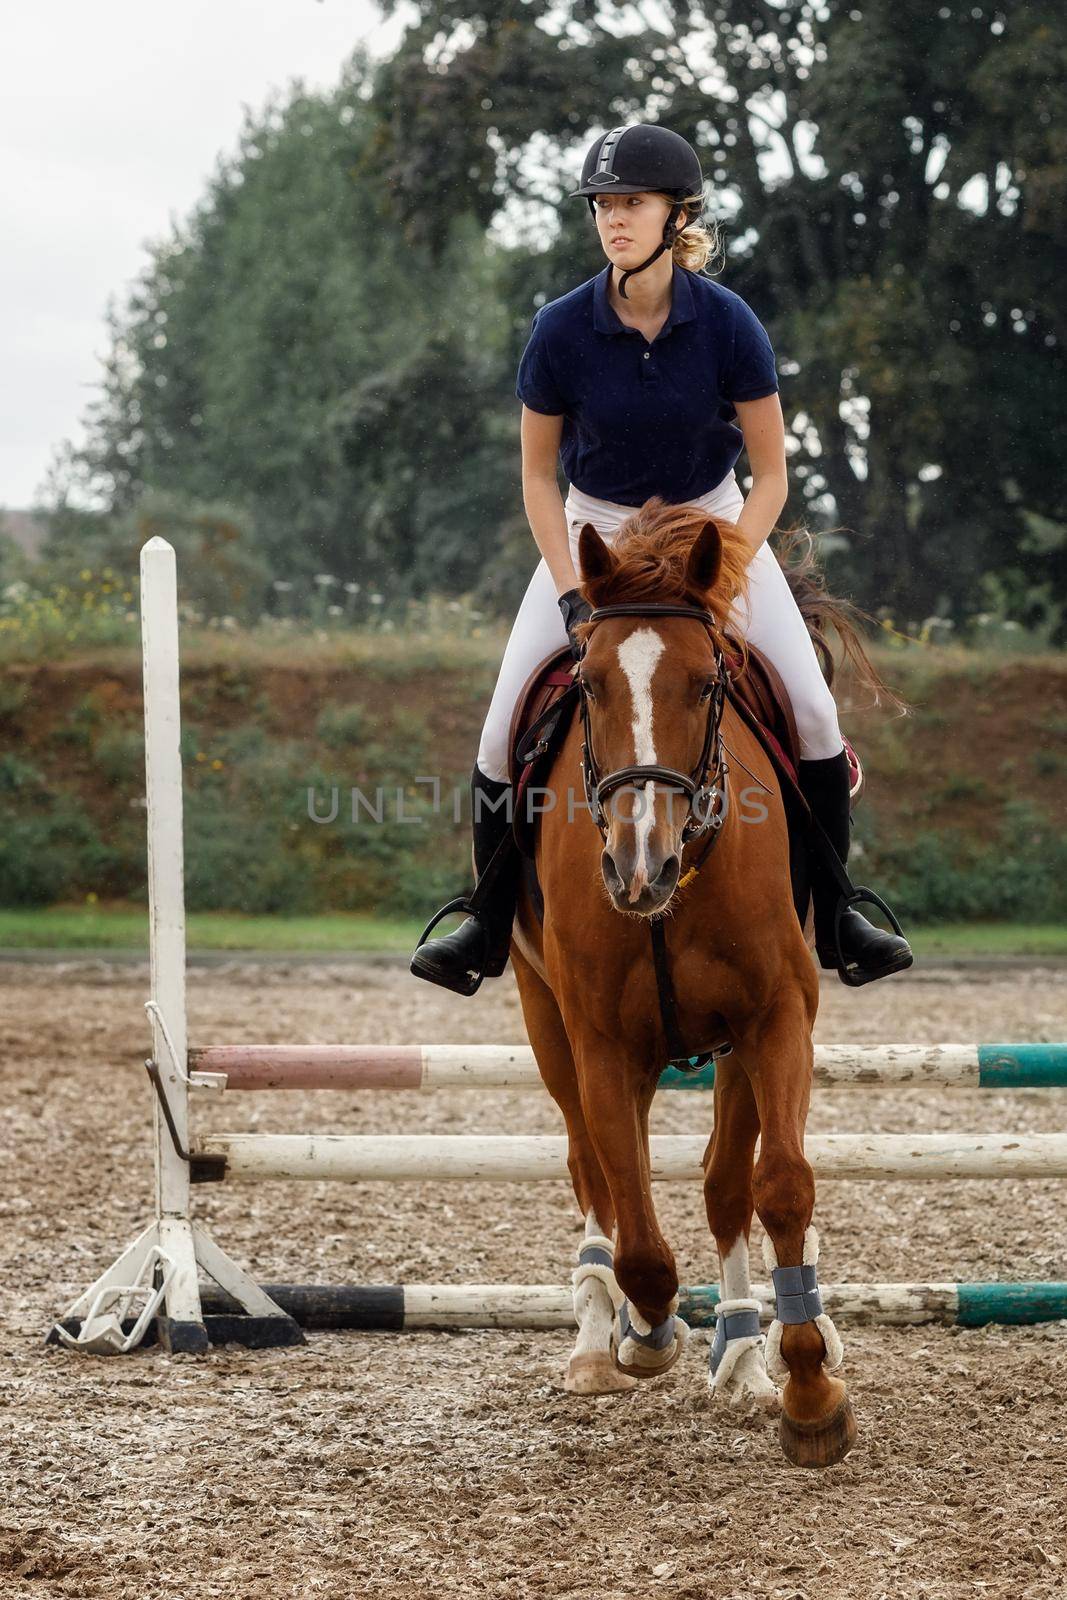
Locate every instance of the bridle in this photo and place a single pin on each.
(708, 800)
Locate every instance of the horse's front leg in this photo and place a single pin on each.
(816, 1427)
(597, 1301)
(597, 1296)
(737, 1369)
(616, 1091)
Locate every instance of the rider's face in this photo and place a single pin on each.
(630, 225)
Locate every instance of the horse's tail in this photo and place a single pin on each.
(797, 556)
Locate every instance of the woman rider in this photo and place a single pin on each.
(634, 379)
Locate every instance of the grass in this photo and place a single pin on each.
(990, 939)
(125, 928)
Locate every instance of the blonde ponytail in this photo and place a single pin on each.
(701, 243)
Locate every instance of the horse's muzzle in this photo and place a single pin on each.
(630, 887)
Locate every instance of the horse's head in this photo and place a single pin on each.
(651, 689)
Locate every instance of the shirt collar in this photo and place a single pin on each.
(607, 320)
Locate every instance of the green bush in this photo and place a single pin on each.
(44, 854)
(251, 843)
(14, 703)
(45, 616)
(341, 727)
(18, 777)
(1020, 874)
(118, 755)
(234, 863)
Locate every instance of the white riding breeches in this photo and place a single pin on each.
(770, 619)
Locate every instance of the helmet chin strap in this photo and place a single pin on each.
(670, 233)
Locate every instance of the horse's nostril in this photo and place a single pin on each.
(612, 876)
(668, 874)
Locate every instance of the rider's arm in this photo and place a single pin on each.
(763, 426)
(540, 436)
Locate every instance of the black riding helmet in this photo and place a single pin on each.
(640, 157)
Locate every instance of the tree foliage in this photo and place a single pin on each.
(332, 339)
(290, 351)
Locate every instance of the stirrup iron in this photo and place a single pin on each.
(862, 896)
(460, 903)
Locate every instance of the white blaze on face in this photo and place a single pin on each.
(637, 657)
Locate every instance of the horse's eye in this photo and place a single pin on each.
(706, 692)
(590, 694)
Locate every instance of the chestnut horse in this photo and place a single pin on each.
(741, 970)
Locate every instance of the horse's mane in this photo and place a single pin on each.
(650, 558)
(651, 554)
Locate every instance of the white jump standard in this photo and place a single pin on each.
(154, 1287)
(183, 1247)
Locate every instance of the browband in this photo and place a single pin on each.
(650, 609)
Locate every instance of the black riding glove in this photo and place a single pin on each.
(575, 610)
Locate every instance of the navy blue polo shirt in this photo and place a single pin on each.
(639, 418)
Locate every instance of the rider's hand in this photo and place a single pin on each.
(575, 610)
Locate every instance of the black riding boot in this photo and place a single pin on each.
(479, 947)
(869, 952)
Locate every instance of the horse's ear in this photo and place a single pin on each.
(597, 559)
(705, 559)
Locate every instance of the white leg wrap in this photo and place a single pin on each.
(594, 1269)
(633, 1354)
(749, 1381)
(639, 1323)
(772, 1354)
(727, 1372)
(606, 1276)
(596, 1297)
(597, 1241)
(835, 1351)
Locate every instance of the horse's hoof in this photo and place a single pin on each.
(594, 1372)
(663, 1361)
(821, 1443)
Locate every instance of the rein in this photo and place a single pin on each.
(708, 807)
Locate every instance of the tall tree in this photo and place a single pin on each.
(894, 179)
(291, 352)
(330, 343)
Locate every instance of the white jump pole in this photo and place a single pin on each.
(508, 1158)
(511, 1305)
(500, 1066)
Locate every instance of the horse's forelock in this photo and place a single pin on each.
(652, 554)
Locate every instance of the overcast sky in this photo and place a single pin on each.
(111, 117)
